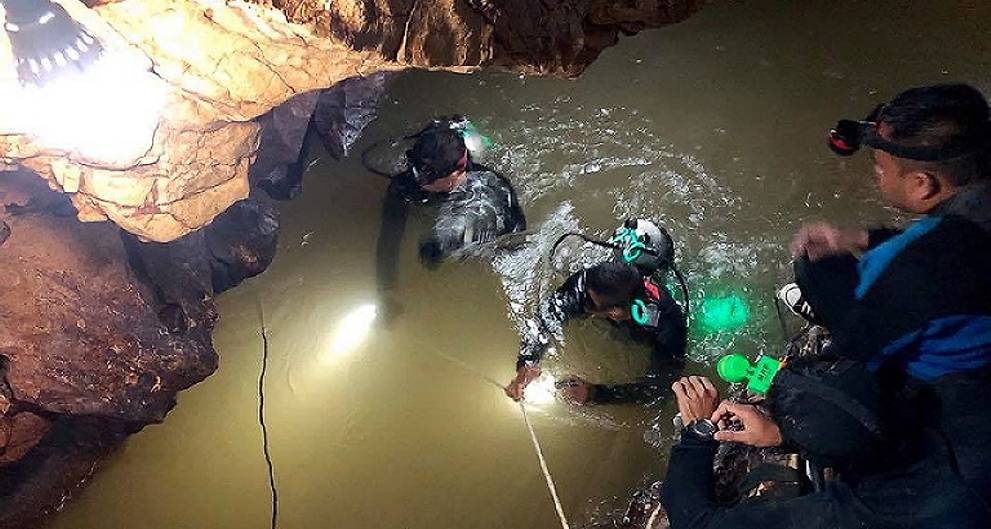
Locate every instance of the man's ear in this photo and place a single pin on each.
(924, 185)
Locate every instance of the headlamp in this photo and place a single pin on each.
(848, 136)
(47, 43)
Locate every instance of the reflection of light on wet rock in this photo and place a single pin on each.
(540, 391)
(351, 331)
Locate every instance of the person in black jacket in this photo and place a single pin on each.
(470, 204)
(631, 294)
(916, 306)
(829, 412)
(906, 299)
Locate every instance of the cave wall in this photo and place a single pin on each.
(223, 64)
(99, 331)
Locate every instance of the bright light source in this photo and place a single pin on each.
(541, 390)
(108, 113)
(474, 144)
(351, 331)
(46, 41)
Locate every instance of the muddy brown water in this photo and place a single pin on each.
(714, 127)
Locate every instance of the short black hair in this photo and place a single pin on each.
(617, 284)
(436, 153)
(941, 115)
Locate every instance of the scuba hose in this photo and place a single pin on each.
(624, 248)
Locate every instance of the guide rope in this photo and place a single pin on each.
(543, 467)
(533, 435)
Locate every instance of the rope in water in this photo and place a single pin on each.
(261, 421)
(543, 466)
(533, 434)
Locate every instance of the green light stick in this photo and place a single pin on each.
(734, 368)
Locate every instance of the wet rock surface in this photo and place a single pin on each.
(337, 116)
(96, 324)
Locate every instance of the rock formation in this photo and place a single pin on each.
(222, 64)
(99, 330)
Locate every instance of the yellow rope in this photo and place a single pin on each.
(533, 435)
(543, 466)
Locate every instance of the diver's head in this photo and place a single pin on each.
(438, 159)
(927, 143)
(612, 287)
(830, 409)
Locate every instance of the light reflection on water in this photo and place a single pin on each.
(714, 128)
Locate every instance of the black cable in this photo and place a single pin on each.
(261, 419)
(684, 290)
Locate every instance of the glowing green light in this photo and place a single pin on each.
(724, 313)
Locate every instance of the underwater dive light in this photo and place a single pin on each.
(475, 142)
(47, 43)
(724, 313)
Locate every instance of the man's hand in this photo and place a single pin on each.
(524, 376)
(696, 396)
(822, 239)
(575, 389)
(758, 429)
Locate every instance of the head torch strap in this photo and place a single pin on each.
(919, 153)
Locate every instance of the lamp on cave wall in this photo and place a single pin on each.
(47, 43)
(77, 93)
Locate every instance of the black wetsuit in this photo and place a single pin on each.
(664, 332)
(483, 207)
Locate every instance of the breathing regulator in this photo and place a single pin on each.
(643, 244)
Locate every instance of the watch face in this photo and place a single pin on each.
(704, 427)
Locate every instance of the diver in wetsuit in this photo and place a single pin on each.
(471, 204)
(630, 292)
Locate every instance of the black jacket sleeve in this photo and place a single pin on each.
(688, 496)
(566, 303)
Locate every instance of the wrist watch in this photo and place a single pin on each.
(704, 428)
